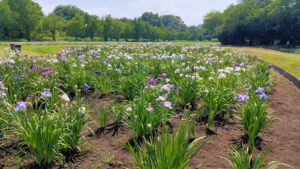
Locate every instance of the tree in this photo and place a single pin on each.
(211, 22)
(76, 26)
(68, 12)
(53, 23)
(174, 22)
(8, 26)
(92, 26)
(28, 15)
(153, 19)
(107, 27)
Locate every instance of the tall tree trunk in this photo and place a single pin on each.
(54, 35)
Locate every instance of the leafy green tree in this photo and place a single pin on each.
(28, 15)
(107, 26)
(76, 26)
(92, 26)
(174, 22)
(53, 23)
(68, 12)
(153, 19)
(8, 26)
(211, 22)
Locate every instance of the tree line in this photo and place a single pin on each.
(24, 19)
(256, 22)
(249, 22)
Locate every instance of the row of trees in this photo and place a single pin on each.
(256, 22)
(23, 19)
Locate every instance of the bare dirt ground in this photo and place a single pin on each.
(280, 140)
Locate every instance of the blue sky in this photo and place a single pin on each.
(191, 11)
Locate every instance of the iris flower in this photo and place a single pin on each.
(46, 93)
(21, 106)
(242, 97)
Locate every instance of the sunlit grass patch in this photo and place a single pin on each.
(288, 61)
(42, 49)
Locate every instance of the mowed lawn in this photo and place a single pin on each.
(36, 49)
(288, 61)
(42, 49)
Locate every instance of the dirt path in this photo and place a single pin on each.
(282, 136)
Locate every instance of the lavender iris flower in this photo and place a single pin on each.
(168, 105)
(21, 106)
(19, 76)
(86, 86)
(260, 91)
(163, 75)
(263, 96)
(46, 93)
(152, 82)
(242, 97)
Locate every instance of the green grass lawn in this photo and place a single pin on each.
(35, 49)
(42, 49)
(288, 61)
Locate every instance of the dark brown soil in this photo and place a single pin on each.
(280, 140)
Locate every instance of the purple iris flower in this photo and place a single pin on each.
(86, 86)
(81, 57)
(19, 76)
(168, 105)
(97, 71)
(242, 97)
(47, 73)
(11, 61)
(152, 82)
(167, 87)
(238, 64)
(21, 106)
(263, 96)
(106, 61)
(163, 75)
(33, 67)
(260, 91)
(46, 93)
